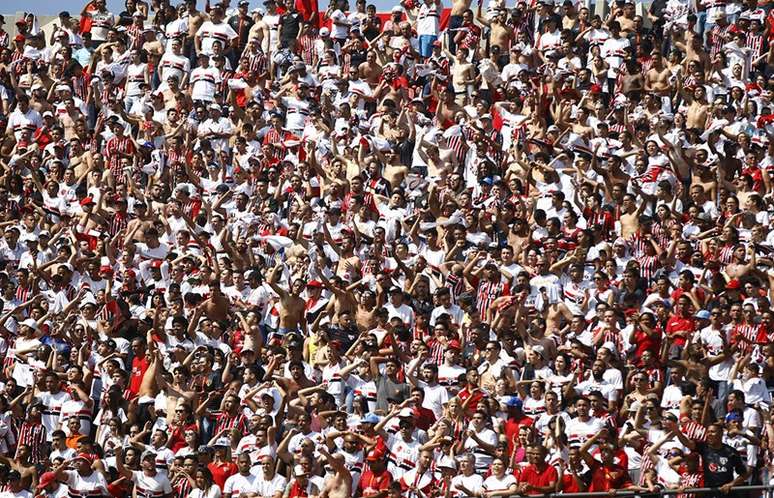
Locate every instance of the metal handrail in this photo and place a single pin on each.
(628, 492)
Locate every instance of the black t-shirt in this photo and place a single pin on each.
(291, 23)
(720, 465)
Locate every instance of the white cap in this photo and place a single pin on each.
(325, 31)
(29, 322)
(298, 470)
(610, 346)
(406, 413)
(397, 8)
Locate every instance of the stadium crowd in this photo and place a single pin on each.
(448, 251)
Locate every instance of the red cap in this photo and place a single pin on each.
(21, 22)
(106, 269)
(156, 263)
(85, 456)
(733, 284)
(87, 200)
(18, 38)
(455, 344)
(46, 479)
(314, 283)
(374, 456)
(131, 273)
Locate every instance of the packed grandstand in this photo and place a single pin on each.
(289, 250)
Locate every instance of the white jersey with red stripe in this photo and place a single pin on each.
(91, 486)
(24, 121)
(364, 388)
(52, 409)
(174, 65)
(448, 374)
(204, 81)
(578, 431)
(78, 409)
(238, 484)
(402, 456)
(164, 458)
(210, 32)
(155, 486)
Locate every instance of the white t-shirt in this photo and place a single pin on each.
(472, 483)
(339, 31)
(270, 487)
(203, 83)
(578, 431)
(494, 483)
(237, 484)
(93, 484)
(483, 459)
(435, 397)
(174, 65)
(428, 19)
(211, 32)
(151, 485)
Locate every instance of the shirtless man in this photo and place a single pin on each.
(216, 306)
(342, 299)
(630, 215)
(258, 31)
(738, 268)
(80, 159)
(693, 49)
(271, 21)
(153, 47)
(340, 484)
(625, 18)
(365, 316)
(70, 118)
(370, 71)
(349, 264)
(463, 77)
(27, 473)
(704, 176)
(698, 111)
(291, 310)
(195, 20)
(447, 109)
(657, 77)
(455, 20)
(500, 35)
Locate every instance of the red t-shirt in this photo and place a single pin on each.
(605, 478)
(370, 483)
(221, 472)
(423, 418)
(568, 483)
(512, 426)
(535, 477)
(679, 292)
(177, 436)
(680, 324)
(139, 366)
(465, 394)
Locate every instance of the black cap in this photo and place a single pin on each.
(64, 13)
